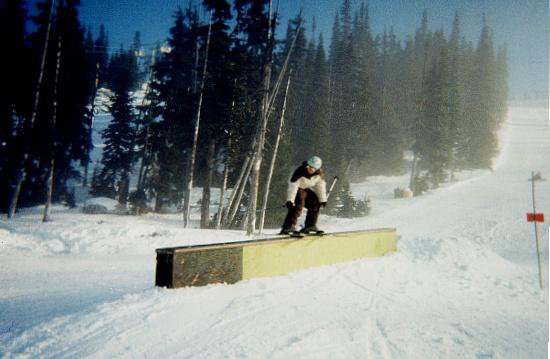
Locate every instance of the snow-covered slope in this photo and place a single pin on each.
(462, 284)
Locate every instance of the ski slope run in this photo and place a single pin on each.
(464, 282)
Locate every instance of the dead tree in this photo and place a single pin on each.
(205, 203)
(265, 110)
(244, 182)
(235, 190)
(224, 183)
(91, 123)
(274, 157)
(143, 167)
(21, 174)
(46, 215)
(259, 146)
(191, 166)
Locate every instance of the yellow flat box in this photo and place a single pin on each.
(231, 262)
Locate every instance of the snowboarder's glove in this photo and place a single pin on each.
(289, 205)
(323, 204)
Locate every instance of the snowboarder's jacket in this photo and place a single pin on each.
(301, 179)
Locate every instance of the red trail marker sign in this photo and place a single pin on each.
(535, 217)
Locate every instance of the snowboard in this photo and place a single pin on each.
(305, 234)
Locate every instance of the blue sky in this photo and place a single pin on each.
(522, 24)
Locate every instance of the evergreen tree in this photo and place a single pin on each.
(334, 93)
(174, 87)
(481, 131)
(470, 99)
(119, 153)
(139, 58)
(74, 92)
(434, 145)
(101, 54)
(342, 94)
(367, 127)
(71, 100)
(297, 109)
(218, 96)
(349, 207)
(253, 64)
(15, 89)
(389, 129)
(456, 93)
(318, 93)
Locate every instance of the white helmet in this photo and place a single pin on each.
(315, 162)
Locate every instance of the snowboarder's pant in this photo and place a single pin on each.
(304, 198)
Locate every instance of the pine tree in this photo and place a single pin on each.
(342, 93)
(218, 95)
(71, 100)
(334, 93)
(174, 86)
(366, 124)
(408, 102)
(139, 56)
(101, 51)
(482, 141)
(390, 126)
(421, 61)
(119, 153)
(318, 93)
(470, 99)
(456, 94)
(434, 145)
(256, 23)
(297, 109)
(74, 93)
(349, 207)
(15, 90)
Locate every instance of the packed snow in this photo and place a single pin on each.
(463, 283)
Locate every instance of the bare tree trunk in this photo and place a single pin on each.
(274, 157)
(240, 195)
(196, 68)
(158, 203)
(49, 185)
(205, 207)
(235, 191)
(266, 106)
(144, 161)
(21, 174)
(224, 185)
(244, 224)
(91, 128)
(124, 189)
(144, 153)
(282, 73)
(259, 148)
(46, 215)
(191, 167)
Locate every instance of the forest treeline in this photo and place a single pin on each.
(359, 101)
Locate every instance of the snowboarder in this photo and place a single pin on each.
(306, 188)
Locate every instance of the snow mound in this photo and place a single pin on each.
(100, 205)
